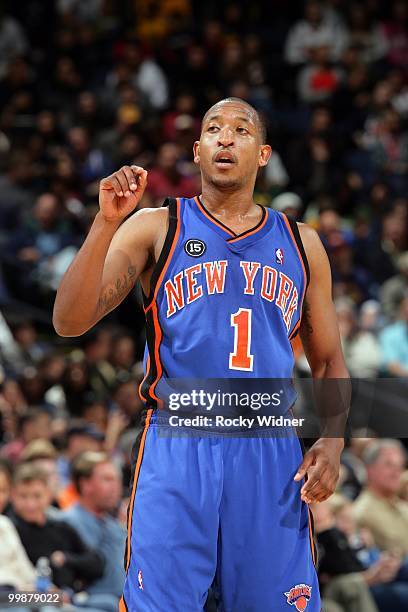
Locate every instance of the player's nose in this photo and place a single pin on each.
(226, 137)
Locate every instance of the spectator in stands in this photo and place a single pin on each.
(41, 242)
(16, 570)
(33, 424)
(318, 80)
(393, 290)
(380, 568)
(166, 179)
(361, 348)
(314, 31)
(396, 34)
(126, 398)
(353, 472)
(340, 572)
(394, 343)
(81, 437)
(74, 566)
(97, 346)
(99, 486)
(366, 35)
(43, 455)
(32, 349)
(147, 76)
(378, 508)
(13, 42)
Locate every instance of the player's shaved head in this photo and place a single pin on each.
(248, 109)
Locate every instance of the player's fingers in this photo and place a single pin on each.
(137, 170)
(121, 176)
(314, 477)
(307, 462)
(130, 178)
(111, 183)
(323, 490)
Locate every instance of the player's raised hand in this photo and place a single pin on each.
(121, 192)
(321, 465)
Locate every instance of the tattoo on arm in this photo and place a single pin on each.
(307, 322)
(113, 293)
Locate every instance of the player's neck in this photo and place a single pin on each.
(229, 203)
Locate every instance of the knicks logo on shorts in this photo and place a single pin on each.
(299, 596)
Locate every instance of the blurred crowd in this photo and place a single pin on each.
(89, 85)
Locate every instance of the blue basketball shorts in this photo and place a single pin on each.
(221, 511)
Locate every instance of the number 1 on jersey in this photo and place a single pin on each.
(241, 358)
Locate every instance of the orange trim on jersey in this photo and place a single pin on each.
(144, 379)
(158, 335)
(312, 544)
(173, 246)
(135, 479)
(253, 231)
(304, 273)
(212, 219)
(122, 605)
(157, 330)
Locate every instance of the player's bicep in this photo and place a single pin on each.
(319, 329)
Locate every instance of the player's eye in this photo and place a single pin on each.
(242, 130)
(213, 128)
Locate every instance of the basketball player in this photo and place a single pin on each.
(225, 284)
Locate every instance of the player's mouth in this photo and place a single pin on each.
(224, 159)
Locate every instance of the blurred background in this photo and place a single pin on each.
(89, 85)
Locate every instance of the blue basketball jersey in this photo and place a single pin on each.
(222, 305)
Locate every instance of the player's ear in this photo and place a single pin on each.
(265, 153)
(196, 151)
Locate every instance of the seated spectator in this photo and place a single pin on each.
(366, 35)
(42, 242)
(32, 349)
(16, 570)
(378, 508)
(147, 76)
(395, 32)
(353, 474)
(13, 42)
(394, 343)
(99, 486)
(341, 574)
(314, 31)
(393, 290)
(33, 424)
(74, 566)
(379, 570)
(97, 345)
(389, 149)
(165, 179)
(43, 455)
(81, 437)
(361, 348)
(318, 80)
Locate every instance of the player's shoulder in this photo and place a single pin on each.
(312, 244)
(308, 234)
(147, 218)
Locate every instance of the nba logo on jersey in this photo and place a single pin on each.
(140, 579)
(279, 256)
(299, 596)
